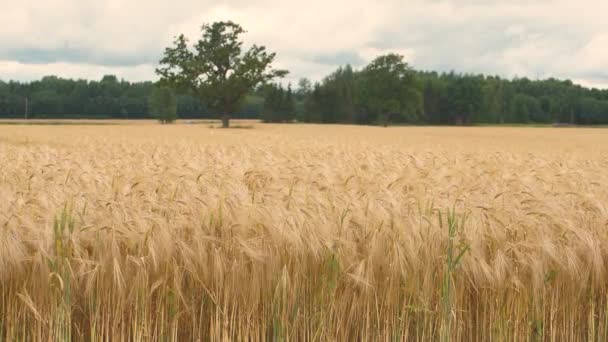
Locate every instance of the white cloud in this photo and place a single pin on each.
(11, 70)
(535, 38)
(594, 55)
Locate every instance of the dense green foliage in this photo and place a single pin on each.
(386, 91)
(216, 68)
(54, 97)
(163, 105)
(279, 104)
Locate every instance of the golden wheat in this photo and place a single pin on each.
(303, 232)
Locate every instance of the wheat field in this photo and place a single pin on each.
(303, 232)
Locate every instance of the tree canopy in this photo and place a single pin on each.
(216, 69)
(389, 91)
(53, 97)
(163, 105)
(279, 104)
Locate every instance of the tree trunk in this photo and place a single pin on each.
(225, 121)
(384, 119)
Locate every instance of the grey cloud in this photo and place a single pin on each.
(83, 56)
(339, 58)
(594, 76)
(533, 38)
(481, 46)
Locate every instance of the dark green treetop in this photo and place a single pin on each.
(216, 69)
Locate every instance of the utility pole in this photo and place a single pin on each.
(26, 107)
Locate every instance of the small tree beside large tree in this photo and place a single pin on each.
(162, 105)
(387, 87)
(216, 69)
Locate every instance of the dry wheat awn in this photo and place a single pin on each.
(303, 232)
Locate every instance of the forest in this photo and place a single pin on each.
(387, 91)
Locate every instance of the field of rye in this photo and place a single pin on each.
(303, 232)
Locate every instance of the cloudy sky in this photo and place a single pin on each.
(533, 38)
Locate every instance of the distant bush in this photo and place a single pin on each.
(163, 105)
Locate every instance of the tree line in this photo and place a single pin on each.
(109, 98)
(387, 91)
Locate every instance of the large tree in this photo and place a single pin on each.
(388, 90)
(216, 69)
